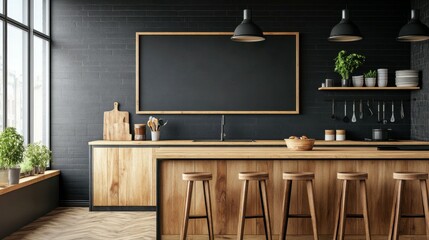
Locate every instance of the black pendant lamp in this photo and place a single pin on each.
(414, 30)
(247, 31)
(345, 30)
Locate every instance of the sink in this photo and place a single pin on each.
(226, 140)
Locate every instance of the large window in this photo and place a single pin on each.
(24, 68)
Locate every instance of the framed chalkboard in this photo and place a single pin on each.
(207, 73)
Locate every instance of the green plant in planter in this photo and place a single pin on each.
(347, 64)
(11, 152)
(38, 155)
(26, 167)
(371, 74)
(11, 147)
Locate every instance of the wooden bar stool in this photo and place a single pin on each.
(342, 204)
(261, 177)
(400, 178)
(308, 177)
(191, 177)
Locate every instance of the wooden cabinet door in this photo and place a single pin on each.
(123, 177)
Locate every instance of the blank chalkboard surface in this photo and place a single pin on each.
(207, 73)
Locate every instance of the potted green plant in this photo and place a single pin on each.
(11, 152)
(370, 78)
(346, 64)
(27, 168)
(38, 155)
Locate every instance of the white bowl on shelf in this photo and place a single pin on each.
(382, 82)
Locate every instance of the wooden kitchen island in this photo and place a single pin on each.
(123, 175)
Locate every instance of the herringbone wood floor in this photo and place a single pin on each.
(79, 223)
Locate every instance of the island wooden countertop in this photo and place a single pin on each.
(255, 143)
(284, 153)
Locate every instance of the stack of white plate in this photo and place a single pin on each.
(407, 78)
(357, 81)
(382, 77)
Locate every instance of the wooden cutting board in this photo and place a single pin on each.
(116, 124)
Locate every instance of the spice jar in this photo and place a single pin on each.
(329, 135)
(341, 135)
(139, 132)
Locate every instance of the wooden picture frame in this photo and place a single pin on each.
(140, 111)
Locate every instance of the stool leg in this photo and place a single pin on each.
(265, 208)
(343, 211)
(337, 217)
(310, 195)
(392, 217)
(242, 216)
(208, 204)
(424, 189)
(184, 232)
(395, 234)
(364, 198)
(285, 208)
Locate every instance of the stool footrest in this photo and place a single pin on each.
(197, 216)
(412, 215)
(354, 215)
(254, 216)
(299, 216)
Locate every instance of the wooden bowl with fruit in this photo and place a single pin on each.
(299, 143)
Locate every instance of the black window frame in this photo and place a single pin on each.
(29, 28)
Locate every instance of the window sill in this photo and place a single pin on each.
(27, 181)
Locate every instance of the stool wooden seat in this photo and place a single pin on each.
(253, 176)
(410, 175)
(308, 177)
(261, 177)
(340, 222)
(298, 176)
(352, 176)
(191, 177)
(400, 178)
(196, 176)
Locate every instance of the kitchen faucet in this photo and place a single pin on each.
(222, 129)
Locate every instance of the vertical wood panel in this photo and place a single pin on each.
(113, 177)
(135, 185)
(220, 205)
(99, 177)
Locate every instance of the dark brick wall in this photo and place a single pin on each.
(93, 65)
(420, 61)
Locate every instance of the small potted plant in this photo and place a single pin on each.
(27, 168)
(38, 155)
(11, 152)
(346, 64)
(370, 78)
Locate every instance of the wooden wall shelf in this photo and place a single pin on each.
(366, 88)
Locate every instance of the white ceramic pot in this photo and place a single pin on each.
(370, 82)
(155, 135)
